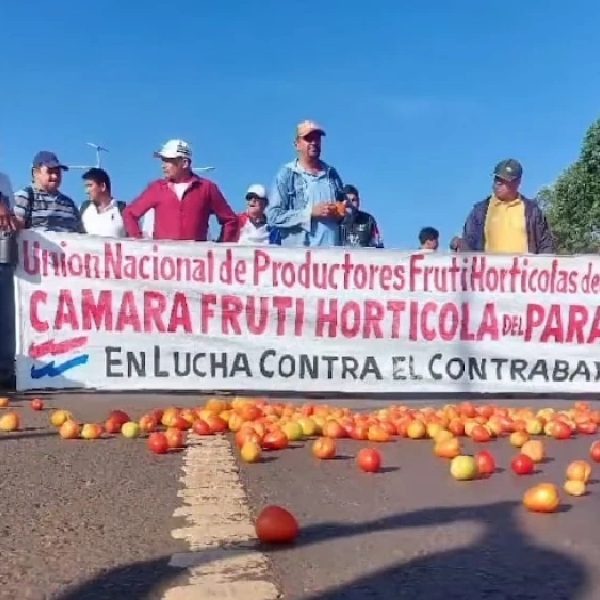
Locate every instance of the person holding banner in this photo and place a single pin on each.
(506, 222)
(183, 202)
(307, 200)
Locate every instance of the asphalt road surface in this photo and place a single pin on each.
(92, 520)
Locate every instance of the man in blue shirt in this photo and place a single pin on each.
(303, 204)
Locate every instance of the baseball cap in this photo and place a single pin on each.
(174, 149)
(509, 169)
(44, 158)
(256, 189)
(306, 127)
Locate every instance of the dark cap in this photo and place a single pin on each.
(48, 159)
(509, 169)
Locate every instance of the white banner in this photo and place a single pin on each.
(132, 315)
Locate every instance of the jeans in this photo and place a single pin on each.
(7, 321)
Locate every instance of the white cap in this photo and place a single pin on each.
(259, 190)
(174, 149)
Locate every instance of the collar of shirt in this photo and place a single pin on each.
(509, 204)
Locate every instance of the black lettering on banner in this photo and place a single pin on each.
(430, 367)
(517, 366)
(157, 370)
(540, 368)
(136, 364)
(113, 363)
(581, 369)
(561, 371)
(349, 367)
(240, 365)
(197, 371)
(371, 368)
(455, 372)
(261, 363)
(499, 362)
(398, 368)
(330, 360)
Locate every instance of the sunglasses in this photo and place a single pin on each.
(251, 197)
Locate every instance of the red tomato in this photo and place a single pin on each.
(360, 432)
(216, 424)
(181, 423)
(175, 438)
(369, 460)
(37, 404)
(595, 451)
(157, 443)
(276, 525)
(486, 464)
(522, 465)
(588, 428)
(324, 448)
(561, 431)
(201, 427)
(480, 434)
(275, 440)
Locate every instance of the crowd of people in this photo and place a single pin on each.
(307, 205)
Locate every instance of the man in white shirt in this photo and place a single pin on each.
(252, 224)
(101, 214)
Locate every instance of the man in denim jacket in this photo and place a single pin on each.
(302, 203)
(506, 222)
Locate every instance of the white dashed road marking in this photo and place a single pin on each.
(223, 562)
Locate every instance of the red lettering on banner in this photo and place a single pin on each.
(427, 333)
(396, 307)
(490, 324)
(534, 317)
(449, 321)
(299, 320)
(553, 329)
(65, 311)
(100, 312)
(350, 319)
(578, 316)
(374, 314)
(257, 323)
(38, 297)
(155, 305)
(208, 302)
(231, 307)
(282, 304)
(595, 329)
(327, 317)
(180, 314)
(128, 315)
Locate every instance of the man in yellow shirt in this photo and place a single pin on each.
(506, 222)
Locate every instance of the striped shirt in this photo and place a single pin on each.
(49, 212)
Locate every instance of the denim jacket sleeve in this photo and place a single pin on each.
(281, 212)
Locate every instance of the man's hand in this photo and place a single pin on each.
(6, 221)
(324, 209)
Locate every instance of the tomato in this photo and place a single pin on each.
(180, 423)
(216, 424)
(542, 498)
(378, 434)
(522, 464)
(479, 433)
(360, 431)
(120, 416)
(561, 431)
(369, 460)
(275, 440)
(486, 464)
(595, 451)
(276, 525)
(200, 427)
(447, 448)
(332, 429)
(157, 443)
(37, 404)
(587, 428)
(457, 427)
(324, 448)
(175, 438)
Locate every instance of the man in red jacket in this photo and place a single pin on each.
(182, 201)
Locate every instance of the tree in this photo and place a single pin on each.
(572, 204)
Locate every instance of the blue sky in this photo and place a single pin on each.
(419, 100)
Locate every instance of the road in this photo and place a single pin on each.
(106, 519)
